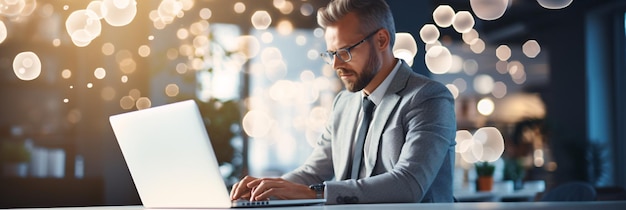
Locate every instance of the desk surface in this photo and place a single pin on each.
(603, 205)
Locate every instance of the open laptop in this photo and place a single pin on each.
(171, 160)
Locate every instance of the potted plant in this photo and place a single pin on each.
(485, 176)
(514, 170)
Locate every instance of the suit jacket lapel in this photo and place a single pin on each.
(383, 112)
(346, 134)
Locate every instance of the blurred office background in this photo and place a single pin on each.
(547, 74)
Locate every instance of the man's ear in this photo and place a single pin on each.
(382, 39)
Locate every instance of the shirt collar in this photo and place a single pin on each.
(379, 92)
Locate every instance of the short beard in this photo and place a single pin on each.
(370, 70)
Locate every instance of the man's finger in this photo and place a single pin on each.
(265, 195)
(263, 186)
(233, 191)
(240, 189)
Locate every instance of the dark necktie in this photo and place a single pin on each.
(368, 108)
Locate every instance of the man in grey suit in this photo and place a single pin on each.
(404, 152)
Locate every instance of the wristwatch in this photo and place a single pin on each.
(319, 190)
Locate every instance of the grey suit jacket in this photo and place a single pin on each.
(412, 146)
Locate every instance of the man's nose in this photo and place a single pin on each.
(337, 62)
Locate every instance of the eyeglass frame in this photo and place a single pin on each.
(329, 56)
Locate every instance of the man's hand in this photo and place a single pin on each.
(256, 189)
(240, 190)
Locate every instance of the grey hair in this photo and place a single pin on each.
(373, 15)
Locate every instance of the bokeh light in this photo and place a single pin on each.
(530, 48)
(3, 31)
(270, 54)
(472, 150)
(478, 46)
(429, 33)
(205, 13)
(492, 143)
(249, 46)
(127, 102)
(463, 22)
(74, 116)
(307, 76)
(256, 124)
(404, 48)
(443, 16)
(502, 67)
(516, 70)
(99, 73)
(503, 52)
(11, 8)
(66, 73)
(489, 9)
(182, 33)
(83, 26)
(29, 8)
(301, 40)
(261, 20)
(318, 32)
(461, 84)
(283, 91)
(278, 3)
(187, 4)
(56, 42)
(461, 136)
(172, 90)
(286, 7)
(239, 7)
(306, 9)
(27, 66)
(96, 8)
(108, 48)
(143, 103)
(119, 12)
(438, 60)
(267, 37)
(499, 89)
(470, 67)
(199, 28)
(519, 106)
(143, 51)
(483, 84)
(284, 27)
(108, 93)
(470, 37)
(313, 54)
(172, 53)
(485, 106)
(275, 70)
(181, 68)
(554, 4)
(456, 65)
(453, 90)
(134, 94)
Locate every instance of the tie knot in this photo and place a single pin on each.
(368, 105)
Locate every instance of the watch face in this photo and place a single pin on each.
(317, 187)
(319, 190)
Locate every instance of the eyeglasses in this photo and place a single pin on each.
(344, 53)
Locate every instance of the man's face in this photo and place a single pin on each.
(365, 63)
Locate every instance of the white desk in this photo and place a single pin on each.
(603, 205)
(521, 195)
(502, 191)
